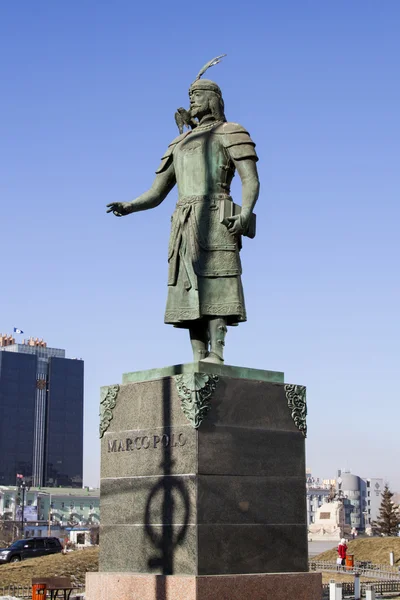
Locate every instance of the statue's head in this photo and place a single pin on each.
(206, 98)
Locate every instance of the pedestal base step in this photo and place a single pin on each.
(270, 586)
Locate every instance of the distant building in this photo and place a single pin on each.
(41, 414)
(361, 497)
(54, 511)
(318, 491)
(365, 495)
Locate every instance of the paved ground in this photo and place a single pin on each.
(315, 548)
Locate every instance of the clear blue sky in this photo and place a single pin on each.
(88, 95)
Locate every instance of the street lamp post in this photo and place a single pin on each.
(23, 488)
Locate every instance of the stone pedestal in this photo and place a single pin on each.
(329, 524)
(274, 586)
(202, 473)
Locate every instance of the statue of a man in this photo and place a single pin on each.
(205, 292)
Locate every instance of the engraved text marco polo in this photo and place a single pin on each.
(145, 442)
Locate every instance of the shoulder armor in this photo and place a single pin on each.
(237, 141)
(226, 128)
(167, 157)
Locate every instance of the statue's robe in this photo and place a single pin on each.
(204, 277)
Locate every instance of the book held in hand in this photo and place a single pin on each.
(229, 209)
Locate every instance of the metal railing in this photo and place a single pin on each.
(347, 589)
(17, 591)
(363, 568)
(382, 587)
(25, 591)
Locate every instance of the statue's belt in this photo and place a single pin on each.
(222, 202)
(185, 200)
(184, 204)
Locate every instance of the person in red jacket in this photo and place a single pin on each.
(342, 550)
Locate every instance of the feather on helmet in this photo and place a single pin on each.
(207, 84)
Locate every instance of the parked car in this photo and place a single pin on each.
(30, 548)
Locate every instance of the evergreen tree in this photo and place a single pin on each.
(389, 516)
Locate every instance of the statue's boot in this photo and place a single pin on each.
(199, 338)
(217, 329)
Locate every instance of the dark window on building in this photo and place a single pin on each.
(64, 456)
(17, 414)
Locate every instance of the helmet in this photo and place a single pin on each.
(207, 85)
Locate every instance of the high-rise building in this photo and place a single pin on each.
(364, 493)
(41, 414)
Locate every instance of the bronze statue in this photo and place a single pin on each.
(205, 291)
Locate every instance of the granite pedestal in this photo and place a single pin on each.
(272, 586)
(202, 474)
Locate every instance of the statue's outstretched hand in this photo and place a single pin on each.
(119, 209)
